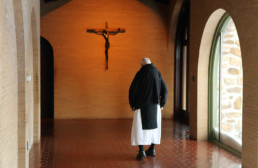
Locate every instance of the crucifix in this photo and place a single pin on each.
(105, 33)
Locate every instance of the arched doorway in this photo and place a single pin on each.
(47, 79)
(226, 87)
(181, 64)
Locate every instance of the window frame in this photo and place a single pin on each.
(212, 85)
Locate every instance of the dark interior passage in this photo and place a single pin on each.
(181, 98)
(47, 79)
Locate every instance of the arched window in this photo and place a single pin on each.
(226, 87)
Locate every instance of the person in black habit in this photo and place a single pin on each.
(147, 97)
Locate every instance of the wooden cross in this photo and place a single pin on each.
(105, 33)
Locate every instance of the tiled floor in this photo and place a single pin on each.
(106, 144)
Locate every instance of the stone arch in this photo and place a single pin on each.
(22, 138)
(203, 73)
(173, 22)
(36, 77)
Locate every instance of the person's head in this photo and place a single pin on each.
(145, 61)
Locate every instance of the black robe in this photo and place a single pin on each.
(146, 91)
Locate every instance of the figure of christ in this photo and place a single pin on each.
(105, 33)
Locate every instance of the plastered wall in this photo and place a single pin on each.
(245, 15)
(82, 87)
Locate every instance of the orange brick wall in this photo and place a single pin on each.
(82, 87)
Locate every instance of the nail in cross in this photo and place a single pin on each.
(105, 33)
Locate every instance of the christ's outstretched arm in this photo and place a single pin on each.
(115, 32)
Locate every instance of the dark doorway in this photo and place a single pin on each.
(181, 102)
(47, 79)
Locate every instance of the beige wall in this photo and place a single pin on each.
(8, 88)
(17, 118)
(245, 15)
(83, 89)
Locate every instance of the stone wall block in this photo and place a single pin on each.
(240, 81)
(235, 51)
(230, 81)
(233, 71)
(233, 115)
(237, 43)
(227, 127)
(226, 47)
(231, 25)
(231, 121)
(226, 106)
(239, 125)
(228, 35)
(224, 66)
(225, 57)
(238, 103)
(230, 42)
(234, 90)
(229, 30)
(236, 62)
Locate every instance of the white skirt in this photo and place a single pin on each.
(145, 137)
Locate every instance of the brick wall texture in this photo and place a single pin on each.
(8, 89)
(82, 87)
(18, 126)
